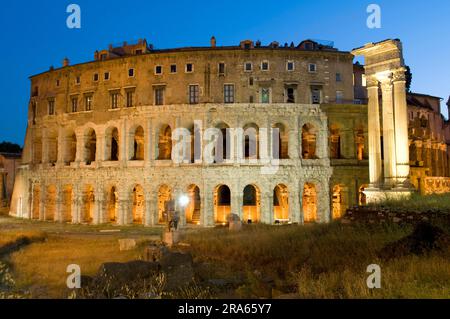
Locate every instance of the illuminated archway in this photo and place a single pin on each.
(281, 203)
(193, 210)
(165, 143)
(251, 205)
(310, 203)
(138, 205)
(138, 145)
(164, 196)
(222, 203)
(88, 205)
(309, 138)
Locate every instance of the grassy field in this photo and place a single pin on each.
(40, 267)
(312, 261)
(419, 203)
(321, 261)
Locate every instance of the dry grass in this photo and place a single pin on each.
(11, 236)
(42, 267)
(321, 261)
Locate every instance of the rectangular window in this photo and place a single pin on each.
(88, 102)
(290, 95)
(74, 104)
(158, 69)
(106, 77)
(189, 68)
(250, 82)
(312, 68)
(159, 96)
(58, 82)
(339, 96)
(51, 107)
(316, 95)
(248, 67)
(131, 73)
(265, 95)
(114, 100)
(265, 66)
(228, 90)
(221, 68)
(338, 77)
(78, 80)
(194, 93)
(173, 68)
(130, 101)
(96, 77)
(290, 66)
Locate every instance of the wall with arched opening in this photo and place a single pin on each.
(280, 141)
(138, 208)
(281, 203)
(251, 149)
(193, 209)
(222, 203)
(50, 203)
(251, 204)
(339, 201)
(70, 147)
(164, 197)
(165, 143)
(137, 151)
(67, 203)
(310, 203)
(309, 141)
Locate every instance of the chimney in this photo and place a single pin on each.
(66, 62)
(213, 42)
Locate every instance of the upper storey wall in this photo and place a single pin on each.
(333, 77)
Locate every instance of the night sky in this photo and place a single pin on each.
(34, 35)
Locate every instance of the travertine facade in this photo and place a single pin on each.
(103, 138)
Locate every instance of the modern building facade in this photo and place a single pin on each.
(274, 134)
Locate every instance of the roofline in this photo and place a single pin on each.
(196, 49)
(426, 95)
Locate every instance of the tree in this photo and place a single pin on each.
(409, 76)
(7, 147)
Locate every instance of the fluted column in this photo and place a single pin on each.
(401, 128)
(374, 133)
(390, 162)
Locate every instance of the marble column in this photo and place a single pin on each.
(374, 133)
(390, 162)
(401, 129)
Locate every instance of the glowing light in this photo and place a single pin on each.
(183, 200)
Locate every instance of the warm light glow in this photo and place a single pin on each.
(184, 200)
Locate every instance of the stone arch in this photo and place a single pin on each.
(138, 209)
(90, 146)
(50, 203)
(112, 205)
(164, 197)
(310, 203)
(165, 143)
(112, 144)
(309, 141)
(70, 147)
(223, 150)
(88, 208)
(280, 141)
(193, 210)
(35, 210)
(281, 202)
(335, 141)
(251, 204)
(222, 203)
(339, 201)
(362, 200)
(67, 204)
(251, 141)
(137, 149)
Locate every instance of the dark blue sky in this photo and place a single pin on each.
(34, 35)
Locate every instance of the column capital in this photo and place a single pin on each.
(372, 81)
(386, 85)
(399, 75)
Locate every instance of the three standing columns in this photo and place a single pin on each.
(394, 173)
